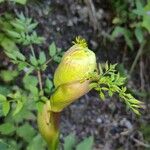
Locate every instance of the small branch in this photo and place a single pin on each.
(137, 57)
(32, 50)
(140, 143)
(40, 80)
(48, 61)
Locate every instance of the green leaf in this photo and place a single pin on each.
(139, 34)
(23, 2)
(42, 58)
(39, 106)
(49, 84)
(87, 144)
(69, 142)
(7, 128)
(52, 49)
(8, 75)
(2, 1)
(146, 17)
(13, 34)
(18, 107)
(29, 81)
(2, 98)
(37, 143)
(27, 132)
(32, 26)
(6, 107)
(57, 58)
(34, 91)
(33, 61)
(9, 45)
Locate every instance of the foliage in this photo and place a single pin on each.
(22, 2)
(108, 80)
(70, 143)
(132, 20)
(19, 103)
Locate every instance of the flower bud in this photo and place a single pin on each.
(70, 78)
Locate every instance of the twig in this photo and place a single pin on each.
(141, 74)
(48, 61)
(137, 57)
(92, 13)
(140, 143)
(40, 80)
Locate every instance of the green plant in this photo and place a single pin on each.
(131, 22)
(77, 70)
(70, 142)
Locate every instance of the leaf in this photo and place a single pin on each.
(39, 105)
(32, 26)
(8, 75)
(33, 61)
(9, 45)
(2, 98)
(6, 107)
(121, 31)
(18, 107)
(13, 34)
(146, 17)
(57, 58)
(7, 128)
(29, 81)
(23, 2)
(49, 84)
(139, 34)
(42, 58)
(52, 49)
(37, 143)
(69, 142)
(34, 91)
(2, 1)
(86, 144)
(27, 132)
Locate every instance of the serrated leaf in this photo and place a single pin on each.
(42, 58)
(33, 61)
(6, 107)
(69, 142)
(52, 49)
(49, 84)
(146, 17)
(87, 144)
(22, 132)
(2, 98)
(102, 96)
(7, 128)
(39, 106)
(57, 58)
(32, 26)
(13, 34)
(139, 34)
(18, 107)
(8, 75)
(19, 26)
(23, 2)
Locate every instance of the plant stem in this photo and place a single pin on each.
(40, 80)
(137, 56)
(48, 61)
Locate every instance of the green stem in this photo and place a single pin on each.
(48, 123)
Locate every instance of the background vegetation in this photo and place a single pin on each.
(35, 34)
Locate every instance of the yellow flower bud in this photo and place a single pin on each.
(70, 78)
